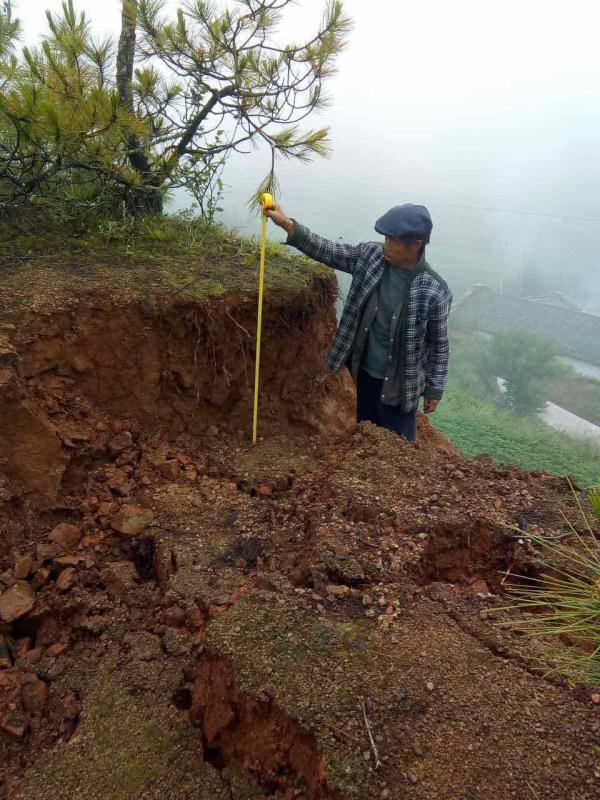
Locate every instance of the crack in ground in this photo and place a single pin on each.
(496, 649)
(272, 746)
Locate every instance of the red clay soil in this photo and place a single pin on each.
(185, 616)
(256, 733)
(168, 364)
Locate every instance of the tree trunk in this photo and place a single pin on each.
(126, 53)
(148, 199)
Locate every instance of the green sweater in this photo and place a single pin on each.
(392, 292)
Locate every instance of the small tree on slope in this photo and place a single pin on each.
(524, 361)
(186, 93)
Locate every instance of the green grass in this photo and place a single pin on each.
(41, 261)
(565, 600)
(478, 426)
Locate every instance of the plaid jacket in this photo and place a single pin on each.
(426, 336)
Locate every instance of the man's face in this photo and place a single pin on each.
(399, 253)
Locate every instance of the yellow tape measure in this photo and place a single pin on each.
(266, 202)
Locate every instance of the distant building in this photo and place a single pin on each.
(556, 299)
(576, 335)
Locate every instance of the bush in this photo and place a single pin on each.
(524, 362)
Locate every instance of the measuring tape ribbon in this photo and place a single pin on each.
(266, 202)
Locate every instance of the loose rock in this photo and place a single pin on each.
(131, 520)
(66, 536)
(32, 656)
(16, 601)
(40, 578)
(479, 586)
(7, 578)
(119, 578)
(23, 567)
(337, 591)
(56, 649)
(170, 469)
(175, 617)
(33, 694)
(46, 551)
(119, 443)
(65, 579)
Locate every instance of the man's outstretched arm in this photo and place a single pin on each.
(333, 254)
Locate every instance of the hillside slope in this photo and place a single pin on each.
(185, 616)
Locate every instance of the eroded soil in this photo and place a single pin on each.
(220, 631)
(185, 616)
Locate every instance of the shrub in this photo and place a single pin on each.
(524, 362)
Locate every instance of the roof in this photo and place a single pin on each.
(558, 299)
(574, 333)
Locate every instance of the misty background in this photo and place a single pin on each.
(487, 113)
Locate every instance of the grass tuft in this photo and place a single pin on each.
(565, 601)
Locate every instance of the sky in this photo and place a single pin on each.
(486, 112)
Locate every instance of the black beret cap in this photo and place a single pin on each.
(406, 220)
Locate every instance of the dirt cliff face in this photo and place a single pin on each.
(170, 365)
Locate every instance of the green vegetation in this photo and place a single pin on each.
(566, 600)
(594, 498)
(524, 361)
(477, 425)
(141, 256)
(478, 428)
(86, 122)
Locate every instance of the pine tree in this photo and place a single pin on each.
(83, 121)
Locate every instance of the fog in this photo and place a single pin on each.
(488, 113)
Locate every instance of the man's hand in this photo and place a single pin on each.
(430, 405)
(280, 218)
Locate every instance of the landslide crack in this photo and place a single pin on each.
(457, 552)
(275, 748)
(497, 649)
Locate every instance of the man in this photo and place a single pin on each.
(393, 332)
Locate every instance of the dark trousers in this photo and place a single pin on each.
(369, 408)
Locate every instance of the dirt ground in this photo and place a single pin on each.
(185, 616)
